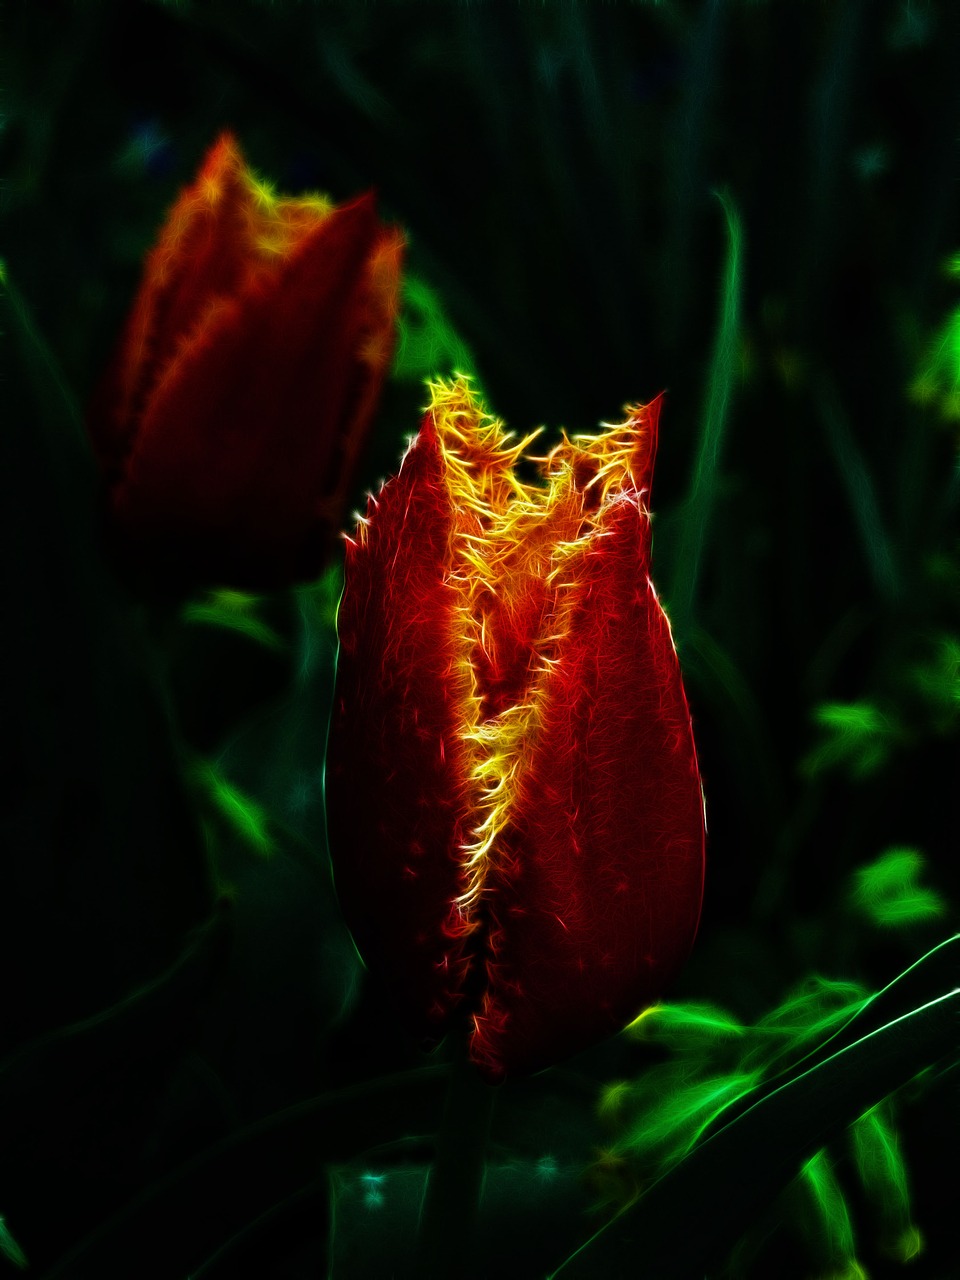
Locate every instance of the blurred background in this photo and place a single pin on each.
(751, 205)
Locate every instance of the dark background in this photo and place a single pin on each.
(567, 176)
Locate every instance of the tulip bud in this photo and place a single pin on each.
(513, 799)
(230, 423)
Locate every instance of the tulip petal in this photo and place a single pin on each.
(515, 810)
(201, 255)
(255, 410)
(398, 791)
(595, 898)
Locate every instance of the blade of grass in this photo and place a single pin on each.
(701, 498)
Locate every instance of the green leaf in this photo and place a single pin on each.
(10, 1249)
(937, 381)
(811, 1011)
(883, 1173)
(235, 611)
(732, 1174)
(680, 1111)
(832, 1215)
(888, 891)
(248, 818)
(685, 1027)
(723, 372)
(858, 737)
(428, 346)
(318, 603)
(938, 680)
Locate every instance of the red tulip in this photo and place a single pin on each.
(230, 424)
(514, 805)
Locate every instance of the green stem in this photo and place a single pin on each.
(451, 1200)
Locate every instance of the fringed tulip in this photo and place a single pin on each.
(230, 423)
(514, 805)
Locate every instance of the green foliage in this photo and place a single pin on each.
(428, 345)
(810, 1013)
(889, 894)
(937, 383)
(759, 1145)
(235, 611)
(10, 1249)
(805, 511)
(243, 814)
(836, 1241)
(662, 1114)
(937, 680)
(720, 1069)
(318, 603)
(922, 698)
(883, 1175)
(858, 737)
(685, 1028)
(717, 1061)
(721, 379)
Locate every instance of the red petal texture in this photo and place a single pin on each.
(516, 817)
(230, 425)
(595, 898)
(398, 792)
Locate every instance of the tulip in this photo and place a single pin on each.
(231, 421)
(513, 801)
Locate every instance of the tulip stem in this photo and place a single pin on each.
(451, 1200)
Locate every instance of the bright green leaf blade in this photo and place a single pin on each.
(883, 1173)
(937, 970)
(685, 1027)
(684, 1113)
(733, 1174)
(835, 1229)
